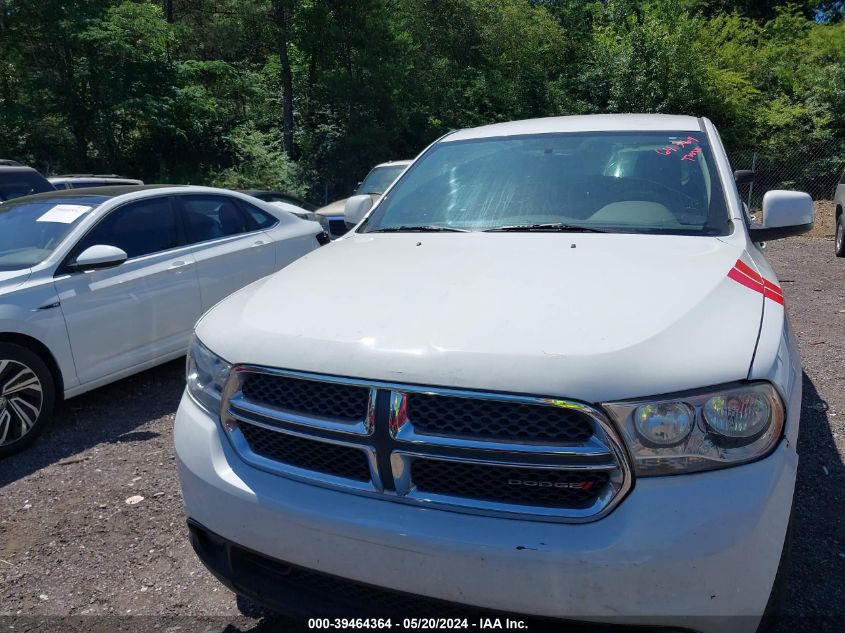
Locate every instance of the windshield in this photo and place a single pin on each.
(30, 231)
(379, 179)
(627, 182)
(15, 184)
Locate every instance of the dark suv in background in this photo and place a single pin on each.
(17, 181)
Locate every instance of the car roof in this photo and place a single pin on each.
(88, 176)
(95, 196)
(17, 168)
(48, 198)
(91, 193)
(115, 179)
(583, 123)
(395, 163)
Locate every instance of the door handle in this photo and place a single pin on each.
(179, 264)
(258, 243)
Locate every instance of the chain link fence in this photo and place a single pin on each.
(815, 167)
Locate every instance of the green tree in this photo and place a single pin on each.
(261, 163)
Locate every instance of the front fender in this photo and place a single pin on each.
(777, 360)
(34, 313)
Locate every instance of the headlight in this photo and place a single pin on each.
(702, 430)
(738, 415)
(664, 423)
(206, 376)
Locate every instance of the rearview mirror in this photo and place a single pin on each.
(785, 213)
(356, 208)
(99, 257)
(744, 176)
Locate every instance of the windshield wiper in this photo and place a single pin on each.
(547, 227)
(422, 228)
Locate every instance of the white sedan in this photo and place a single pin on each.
(98, 284)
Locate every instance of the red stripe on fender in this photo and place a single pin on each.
(768, 285)
(757, 281)
(774, 297)
(773, 292)
(739, 277)
(745, 268)
(742, 273)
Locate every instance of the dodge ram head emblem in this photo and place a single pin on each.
(530, 483)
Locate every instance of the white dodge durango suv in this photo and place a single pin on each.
(558, 382)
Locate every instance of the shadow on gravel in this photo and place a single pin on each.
(815, 587)
(111, 414)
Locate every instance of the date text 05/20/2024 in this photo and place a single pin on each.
(416, 623)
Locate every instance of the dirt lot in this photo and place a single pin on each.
(825, 224)
(71, 545)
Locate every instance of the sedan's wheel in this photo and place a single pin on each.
(840, 236)
(26, 397)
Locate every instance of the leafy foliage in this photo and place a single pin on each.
(260, 164)
(198, 93)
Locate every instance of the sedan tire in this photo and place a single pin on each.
(839, 240)
(27, 396)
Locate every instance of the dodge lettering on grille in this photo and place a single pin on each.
(583, 485)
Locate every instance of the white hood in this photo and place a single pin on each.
(585, 316)
(11, 279)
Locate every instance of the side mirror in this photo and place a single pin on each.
(785, 213)
(744, 176)
(99, 257)
(356, 208)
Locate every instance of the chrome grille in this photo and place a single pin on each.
(444, 415)
(321, 457)
(509, 484)
(519, 456)
(344, 402)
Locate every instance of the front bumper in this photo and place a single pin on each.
(697, 551)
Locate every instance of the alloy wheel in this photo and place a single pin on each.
(21, 400)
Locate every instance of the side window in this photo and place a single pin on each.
(139, 228)
(211, 217)
(262, 219)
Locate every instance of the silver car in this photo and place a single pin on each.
(81, 181)
(375, 184)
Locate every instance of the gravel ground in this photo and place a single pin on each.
(71, 544)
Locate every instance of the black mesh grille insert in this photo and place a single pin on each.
(331, 459)
(310, 397)
(509, 484)
(493, 419)
(338, 227)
